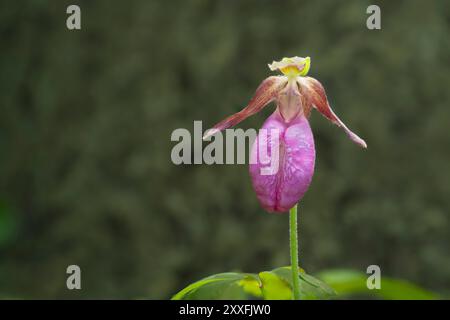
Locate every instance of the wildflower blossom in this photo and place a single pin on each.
(288, 132)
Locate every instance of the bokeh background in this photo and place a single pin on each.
(86, 117)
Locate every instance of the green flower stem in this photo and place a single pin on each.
(294, 251)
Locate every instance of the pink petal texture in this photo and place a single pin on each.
(284, 186)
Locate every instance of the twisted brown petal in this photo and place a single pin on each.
(317, 97)
(265, 93)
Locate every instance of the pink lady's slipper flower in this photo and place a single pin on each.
(287, 133)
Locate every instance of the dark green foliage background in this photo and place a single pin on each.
(85, 124)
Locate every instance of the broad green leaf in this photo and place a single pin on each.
(350, 282)
(230, 285)
(310, 287)
(277, 284)
(269, 285)
(274, 287)
(251, 285)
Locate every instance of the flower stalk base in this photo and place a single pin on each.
(294, 252)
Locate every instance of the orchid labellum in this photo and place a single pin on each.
(294, 94)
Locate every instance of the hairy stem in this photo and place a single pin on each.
(294, 251)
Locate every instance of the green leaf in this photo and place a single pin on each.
(277, 284)
(350, 282)
(251, 285)
(310, 287)
(222, 286)
(268, 285)
(274, 287)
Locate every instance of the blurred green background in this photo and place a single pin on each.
(86, 117)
